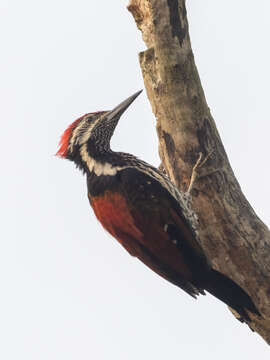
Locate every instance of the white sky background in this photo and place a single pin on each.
(68, 290)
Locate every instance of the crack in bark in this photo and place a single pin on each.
(177, 28)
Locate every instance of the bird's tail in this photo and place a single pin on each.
(231, 294)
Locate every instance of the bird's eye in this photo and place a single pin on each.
(91, 117)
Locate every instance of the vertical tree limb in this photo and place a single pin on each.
(233, 237)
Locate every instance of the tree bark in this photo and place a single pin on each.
(233, 237)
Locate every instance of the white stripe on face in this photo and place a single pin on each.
(75, 138)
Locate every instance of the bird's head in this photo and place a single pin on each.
(91, 132)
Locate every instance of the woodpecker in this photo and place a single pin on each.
(140, 207)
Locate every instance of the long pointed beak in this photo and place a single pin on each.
(121, 108)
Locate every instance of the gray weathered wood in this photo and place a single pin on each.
(234, 238)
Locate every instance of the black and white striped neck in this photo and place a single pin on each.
(106, 163)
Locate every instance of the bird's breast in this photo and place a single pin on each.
(112, 211)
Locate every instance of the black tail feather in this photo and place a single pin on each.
(231, 294)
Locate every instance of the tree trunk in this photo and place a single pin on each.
(233, 237)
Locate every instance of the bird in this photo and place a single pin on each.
(144, 211)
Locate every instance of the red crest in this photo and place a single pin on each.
(64, 141)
